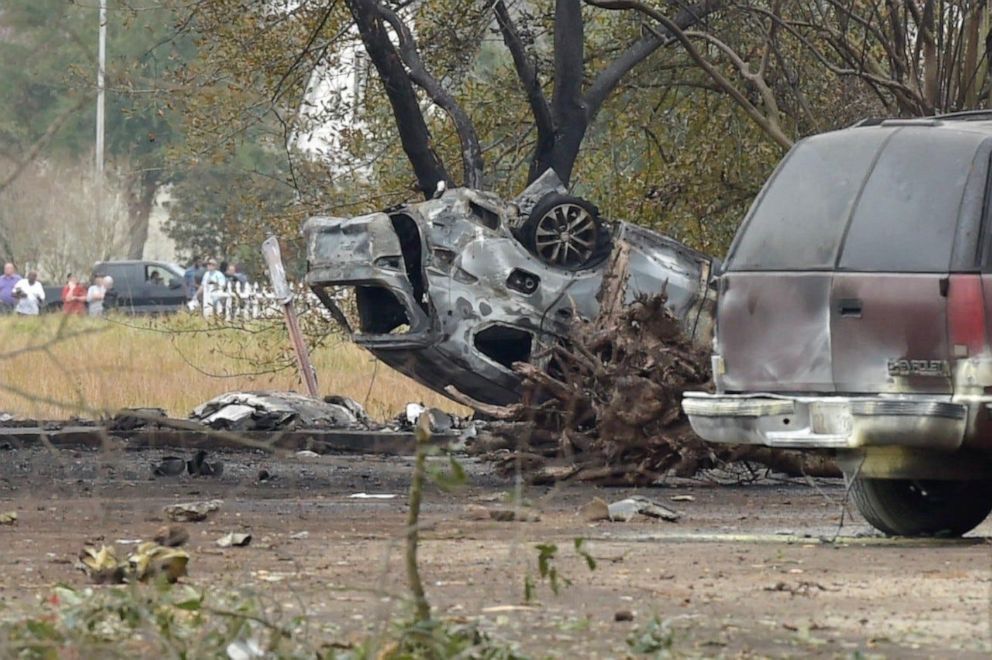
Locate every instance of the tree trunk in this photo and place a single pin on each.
(140, 198)
(414, 133)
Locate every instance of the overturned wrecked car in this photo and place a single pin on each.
(453, 290)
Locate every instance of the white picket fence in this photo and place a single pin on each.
(250, 301)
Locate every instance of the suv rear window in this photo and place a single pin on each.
(908, 213)
(798, 221)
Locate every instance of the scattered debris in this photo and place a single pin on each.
(102, 565)
(8, 518)
(192, 511)
(372, 496)
(501, 514)
(595, 510)
(151, 560)
(625, 510)
(199, 466)
(306, 453)
(234, 540)
(271, 411)
(171, 466)
(682, 498)
(171, 536)
(802, 588)
(438, 420)
(131, 419)
(6, 417)
(296, 536)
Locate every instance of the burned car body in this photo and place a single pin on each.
(451, 292)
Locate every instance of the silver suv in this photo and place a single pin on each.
(853, 318)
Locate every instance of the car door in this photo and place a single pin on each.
(128, 281)
(773, 316)
(161, 288)
(889, 299)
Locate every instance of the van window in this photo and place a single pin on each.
(798, 221)
(907, 216)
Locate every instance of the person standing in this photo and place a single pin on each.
(191, 279)
(30, 294)
(74, 297)
(94, 296)
(211, 290)
(7, 282)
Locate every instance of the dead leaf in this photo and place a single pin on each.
(150, 560)
(8, 518)
(102, 566)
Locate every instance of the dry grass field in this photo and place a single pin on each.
(55, 367)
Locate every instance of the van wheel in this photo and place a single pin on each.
(915, 507)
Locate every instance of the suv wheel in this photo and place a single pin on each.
(566, 232)
(914, 507)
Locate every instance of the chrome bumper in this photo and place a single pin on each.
(827, 422)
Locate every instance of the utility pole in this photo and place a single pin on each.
(100, 88)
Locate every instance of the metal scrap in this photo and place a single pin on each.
(270, 411)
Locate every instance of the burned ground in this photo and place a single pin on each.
(746, 571)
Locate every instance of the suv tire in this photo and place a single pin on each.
(914, 507)
(566, 232)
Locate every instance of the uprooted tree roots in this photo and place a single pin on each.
(608, 406)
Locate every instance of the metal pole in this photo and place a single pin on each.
(101, 67)
(284, 295)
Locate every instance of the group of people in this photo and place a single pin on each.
(26, 295)
(210, 277)
(78, 300)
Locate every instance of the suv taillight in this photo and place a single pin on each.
(966, 315)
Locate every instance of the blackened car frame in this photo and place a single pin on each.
(453, 290)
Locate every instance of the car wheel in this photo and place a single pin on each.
(566, 232)
(918, 507)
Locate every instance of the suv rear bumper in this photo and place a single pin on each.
(834, 422)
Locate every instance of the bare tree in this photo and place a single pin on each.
(561, 122)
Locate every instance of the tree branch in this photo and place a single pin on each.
(769, 126)
(472, 160)
(414, 134)
(607, 79)
(567, 104)
(527, 73)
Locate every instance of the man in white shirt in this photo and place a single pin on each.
(95, 295)
(211, 291)
(29, 295)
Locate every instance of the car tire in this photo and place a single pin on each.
(916, 507)
(566, 232)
